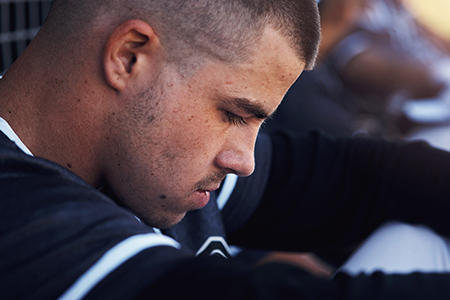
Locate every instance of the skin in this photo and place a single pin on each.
(200, 130)
(118, 114)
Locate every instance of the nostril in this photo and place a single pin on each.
(237, 163)
(249, 168)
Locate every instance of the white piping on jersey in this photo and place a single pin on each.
(235, 250)
(112, 259)
(228, 186)
(212, 239)
(157, 230)
(9, 132)
(217, 251)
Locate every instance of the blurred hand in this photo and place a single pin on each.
(382, 71)
(342, 13)
(337, 19)
(307, 261)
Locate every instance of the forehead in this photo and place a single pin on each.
(265, 77)
(274, 62)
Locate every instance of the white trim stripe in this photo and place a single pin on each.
(217, 251)
(9, 132)
(212, 239)
(227, 189)
(112, 259)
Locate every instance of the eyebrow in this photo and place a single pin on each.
(249, 107)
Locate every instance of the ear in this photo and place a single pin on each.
(130, 50)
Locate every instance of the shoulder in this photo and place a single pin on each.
(52, 220)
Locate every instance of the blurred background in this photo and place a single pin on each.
(383, 68)
(19, 22)
(433, 13)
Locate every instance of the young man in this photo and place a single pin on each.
(154, 103)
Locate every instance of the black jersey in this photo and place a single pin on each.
(61, 238)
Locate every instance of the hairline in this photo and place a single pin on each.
(190, 52)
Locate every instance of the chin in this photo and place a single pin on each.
(163, 222)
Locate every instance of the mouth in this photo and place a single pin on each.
(212, 188)
(203, 195)
(201, 198)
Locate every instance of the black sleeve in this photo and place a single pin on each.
(215, 278)
(56, 229)
(327, 194)
(322, 193)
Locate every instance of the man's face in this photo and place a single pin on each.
(197, 131)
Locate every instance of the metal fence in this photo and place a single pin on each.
(20, 20)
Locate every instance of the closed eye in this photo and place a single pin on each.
(234, 119)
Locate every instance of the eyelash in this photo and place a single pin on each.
(235, 120)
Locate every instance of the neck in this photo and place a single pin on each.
(57, 115)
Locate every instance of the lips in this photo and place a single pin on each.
(201, 198)
(211, 188)
(203, 195)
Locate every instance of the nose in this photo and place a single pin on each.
(237, 156)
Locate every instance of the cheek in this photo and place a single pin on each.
(197, 131)
(199, 143)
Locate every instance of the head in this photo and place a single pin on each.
(196, 29)
(188, 84)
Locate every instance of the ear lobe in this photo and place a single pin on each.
(127, 52)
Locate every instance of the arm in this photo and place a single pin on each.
(380, 70)
(68, 229)
(327, 194)
(209, 279)
(214, 277)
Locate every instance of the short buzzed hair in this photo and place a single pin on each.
(221, 29)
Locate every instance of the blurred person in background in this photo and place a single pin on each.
(321, 100)
(318, 100)
(389, 59)
(374, 56)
